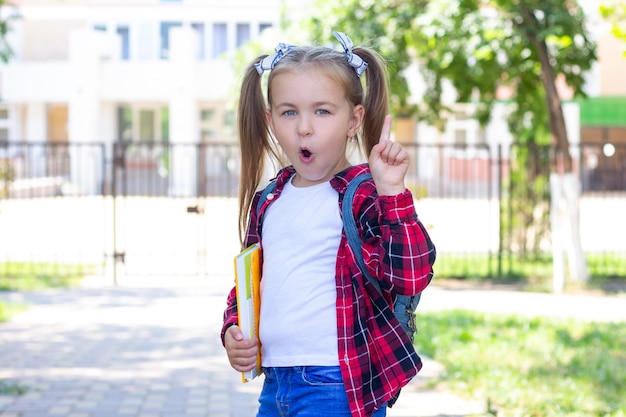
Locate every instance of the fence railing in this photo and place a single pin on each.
(31, 170)
(110, 203)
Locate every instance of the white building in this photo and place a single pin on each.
(162, 71)
(88, 71)
(105, 70)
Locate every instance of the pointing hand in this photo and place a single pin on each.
(389, 163)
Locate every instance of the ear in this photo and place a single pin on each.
(268, 116)
(356, 120)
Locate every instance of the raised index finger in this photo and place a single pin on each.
(385, 133)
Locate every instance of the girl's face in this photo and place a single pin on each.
(312, 121)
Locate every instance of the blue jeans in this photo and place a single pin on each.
(305, 391)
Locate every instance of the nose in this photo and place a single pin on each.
(305, 126)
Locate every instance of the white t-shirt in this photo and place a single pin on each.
(300, 237)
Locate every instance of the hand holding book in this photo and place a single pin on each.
(242, 353)
(247, 282)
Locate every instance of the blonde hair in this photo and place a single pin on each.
(255, 141)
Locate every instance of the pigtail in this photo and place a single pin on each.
(376, 99)
(254, 141)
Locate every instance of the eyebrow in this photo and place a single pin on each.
(316, 104)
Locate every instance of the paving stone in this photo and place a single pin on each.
(151, 348)
(128, 411)
(59, 411)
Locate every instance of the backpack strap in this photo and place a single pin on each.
(405, 305)
(267, 190)
(352, 232)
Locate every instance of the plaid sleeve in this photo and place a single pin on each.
(252, 236)
(399, 250)
(230, 314)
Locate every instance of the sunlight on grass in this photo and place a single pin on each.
(7, 310)
(529, 366)
(12, 389)
(607, 271)
(16, 276)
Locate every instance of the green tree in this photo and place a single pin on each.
(615, 12)
(5, 54)
(7, 13)
(479, 46)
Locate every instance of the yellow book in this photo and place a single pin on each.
(247, 281)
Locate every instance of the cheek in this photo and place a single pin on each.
(285, 144)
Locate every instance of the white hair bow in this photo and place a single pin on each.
(354, 60)
(270, 61)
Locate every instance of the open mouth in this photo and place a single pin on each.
(306, 154)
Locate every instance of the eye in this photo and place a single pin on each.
(321, 112)
(289, 113)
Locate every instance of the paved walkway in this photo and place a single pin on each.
(151, 348)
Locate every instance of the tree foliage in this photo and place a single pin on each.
(476, 45)
(7, 14)
(615, 12)
(480, 48)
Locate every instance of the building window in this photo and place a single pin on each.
(264, 26)
(124, 33)
(198, 29)
(4, 124)
(207, 115)
(165, 124)
(209, 126)
(146, 125)
(57, 117)
(243, 33)
(165, 37)
(125, 124)
(220, 39)
(143, 123)
(229, 131)
(217, 123)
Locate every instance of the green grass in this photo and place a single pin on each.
(12, 389)
(7, 310)
(510, 268)
(16, 276)
(531, 367)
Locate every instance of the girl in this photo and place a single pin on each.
(329, 341)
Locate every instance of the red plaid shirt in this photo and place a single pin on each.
(375, 354)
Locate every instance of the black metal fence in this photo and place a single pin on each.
(36, 170)
(148, 208)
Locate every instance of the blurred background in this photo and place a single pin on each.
(118, 142)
